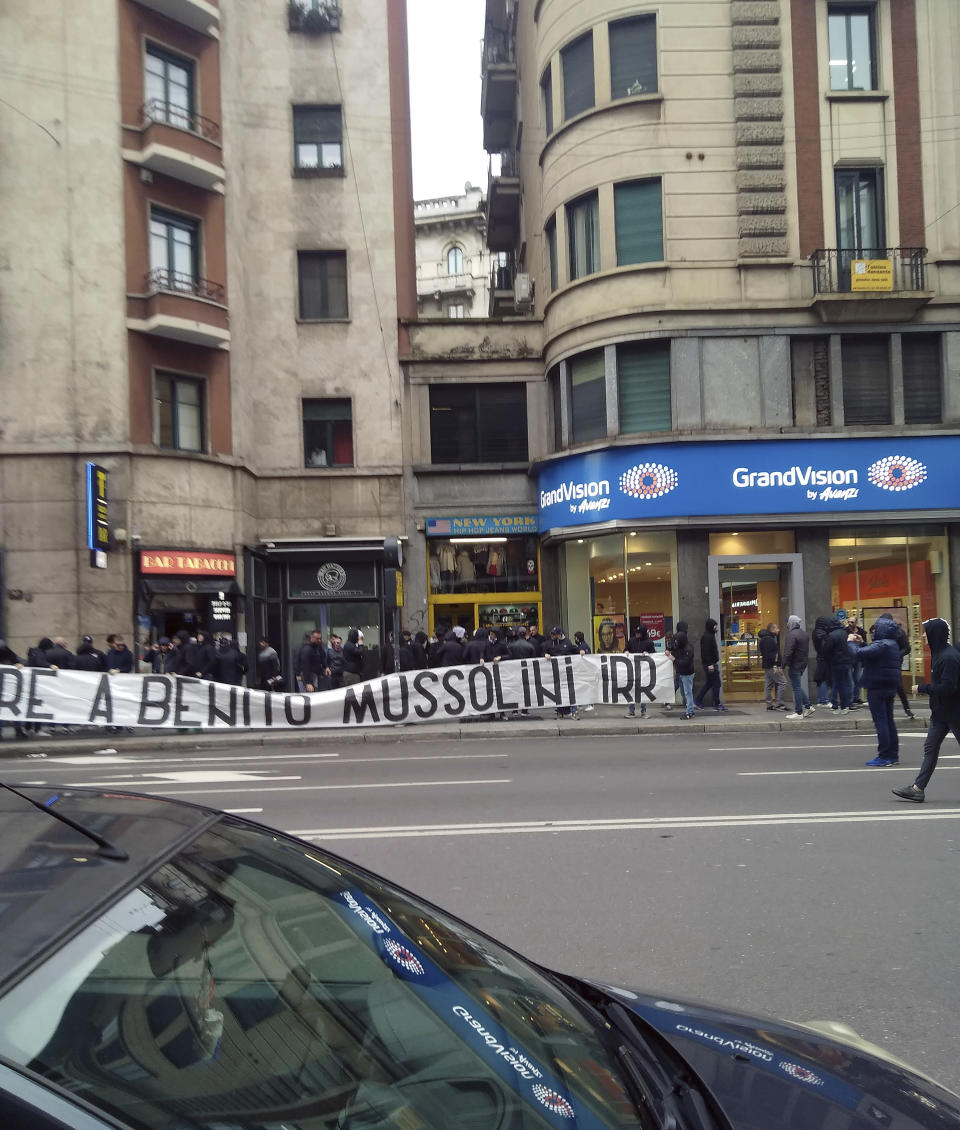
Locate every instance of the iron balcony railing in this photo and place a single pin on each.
(179, 282)
(168, 114)
(497, 46)
(501, 277)
(503, 164)
(866, 270)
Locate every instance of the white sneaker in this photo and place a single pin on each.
(793, 717)
(809, 710)
(844, 710)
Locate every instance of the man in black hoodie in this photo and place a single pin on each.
(710, 658)
(639, 643)
(944, 692)
(88, 657)
(821, 672)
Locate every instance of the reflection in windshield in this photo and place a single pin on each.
(252, 984)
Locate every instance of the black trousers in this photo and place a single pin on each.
(936, 732)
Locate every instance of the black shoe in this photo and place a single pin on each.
(910, 792)
(911, 715)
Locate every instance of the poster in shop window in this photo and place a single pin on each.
(609, 632)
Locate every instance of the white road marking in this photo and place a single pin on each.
(901, 768)
(196, 777)
(241, 811)
(815, 746)
(293, 758)
(637, 825)
(324, 788)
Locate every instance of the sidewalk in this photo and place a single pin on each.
(740, 717)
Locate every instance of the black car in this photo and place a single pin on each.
(169, 967)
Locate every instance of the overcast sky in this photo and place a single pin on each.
(445, 40)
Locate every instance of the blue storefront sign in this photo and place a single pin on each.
(488, 525)
(686, 480)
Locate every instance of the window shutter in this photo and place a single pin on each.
(633, 57)
(577, 62)
(588, 399)
(316, 124)
(866, 380)
(643, 373)
(922, 401)
(502, 421)
(638, 217)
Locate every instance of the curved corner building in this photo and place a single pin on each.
(740, 224)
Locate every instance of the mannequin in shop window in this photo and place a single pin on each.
(466, 570)
(495, 562)
(448, 567)
(434, 572)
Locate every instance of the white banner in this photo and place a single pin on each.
(47, 696)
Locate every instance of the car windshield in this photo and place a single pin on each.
(255, 982)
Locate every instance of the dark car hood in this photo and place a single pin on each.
(766, 1073)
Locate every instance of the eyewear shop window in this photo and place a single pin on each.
(905, 575)
(614, 583)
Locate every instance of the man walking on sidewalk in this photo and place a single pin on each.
(774, 679)
(710, 658)
(796, 655)
(944, 692)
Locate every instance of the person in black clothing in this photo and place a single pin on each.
(856, 667)
(837, 654)
(557, 645)
(903, 644)
(310, 662)
(353, 652)
(88, 657)
(774, 680)
(405, 657)
(268, 668)
(172, 656)
(59, 656)
(881, 674)
(448, 653)
(537, 641)
(419, 648)
(796, 655)
(821, 672)
(639, 643)
(9, 658)
(682, 653)
(478, 650)
(944, 692)
(229, 664)
(683, 629)
(710, 658)
(119, 657)
(335, 662)
(199, 657)
(520, 647)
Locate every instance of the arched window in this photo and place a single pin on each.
(455, 261)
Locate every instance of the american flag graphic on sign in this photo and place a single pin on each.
(438, 525)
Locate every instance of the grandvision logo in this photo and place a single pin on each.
(592, 494)
(839, 484)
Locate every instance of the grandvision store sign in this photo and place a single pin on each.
(758, 477)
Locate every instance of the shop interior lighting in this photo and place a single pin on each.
(474, 541)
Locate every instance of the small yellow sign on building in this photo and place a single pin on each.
(871, 274)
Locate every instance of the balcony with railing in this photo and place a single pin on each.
(180, 306)
(199, 15)
(178, 143)
(503, 201)
(442, 285)
(502, 300)
(498, 89)
(869, 284)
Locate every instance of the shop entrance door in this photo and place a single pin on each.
(747, 594)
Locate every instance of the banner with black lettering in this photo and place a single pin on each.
(49, 696)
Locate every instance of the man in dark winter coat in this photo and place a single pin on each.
(944, 692)
(774, 680)
(335, 663)
(229, 664)
(353, 652)
(681, 651)
(520, 647)
(639, 643)
(448, 653)
(558, 645)
(710, 658)
(682, 628)
(903, 643)
(199, 657)
(88, 657)
(119, 657)
(881, 674)
(821, 672)
(478, 650)
(840, 662)
(796, 655)
(311, 663)
(405, 657)
(58, 655)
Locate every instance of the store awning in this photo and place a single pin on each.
(208, 586)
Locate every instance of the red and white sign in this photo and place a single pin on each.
(194, 562)
(653, 622)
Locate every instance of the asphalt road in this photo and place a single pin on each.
(772, 872)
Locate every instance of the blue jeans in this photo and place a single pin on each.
(686, 685)
(801, 700)
(841, 682)
(881, 711)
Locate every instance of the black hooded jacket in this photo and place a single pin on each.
(478, 650)
(90, 658)
(640, 642)
(353, 653)
(821, 629)
(944, 685)
(447, 654)
(682, 653)
(881, 659)
(709, 650)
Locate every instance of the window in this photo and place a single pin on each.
(174, 250)
(550, 233)
(323, 284)
(852, 47)
(588, 397)
(553, 381)
(583, 233)
(455, 310)
(478, 423)
(577, 62)
(168, 88)
(317, 137)
(546, 95)
(922, 402)
(866, 379)
(633, 56)
(643, 377)
(861, 232)
(179, 412)
(638, 217)
(327, 433)
(455, 261)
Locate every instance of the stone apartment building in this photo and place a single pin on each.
(453, 262)
(207, 248)
(735, 388)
